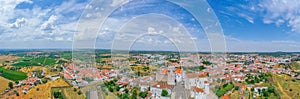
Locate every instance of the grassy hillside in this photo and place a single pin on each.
(4, 84)
(287, 87)
(295, 65)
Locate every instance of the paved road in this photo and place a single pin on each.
(93, 94)
(180, 92)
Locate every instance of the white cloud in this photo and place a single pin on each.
(248, 18)
(231, 38)
(18, 23)
(7, 7)
(49, 25)
(38, 23)
(282, 11)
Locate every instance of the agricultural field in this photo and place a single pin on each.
(12, 75)
(28, 61)
(4, 84)
(69, 93)
(288, 88)
(30, 69)
(44, 89)
(41, 91)
(7, 58)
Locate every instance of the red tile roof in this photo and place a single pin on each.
(225, 97)
(162, 85)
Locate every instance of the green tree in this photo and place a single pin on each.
(143, 94)
(79, 92)
(57, 95)
(271, 89)
(118, 88)
(133, 94)
(236, 88)
(17, 82)
(124, 96)
(126, 91)
(252, 89)
(110, 89)
(10, 85)
(164, 92)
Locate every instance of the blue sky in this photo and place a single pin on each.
(248, 25)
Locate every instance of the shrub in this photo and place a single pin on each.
(164, 92)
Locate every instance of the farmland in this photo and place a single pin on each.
(7, 58)
(28, 61)
(69, 93)
(44, 89)
(12, 75)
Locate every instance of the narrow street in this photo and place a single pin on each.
(180, 92)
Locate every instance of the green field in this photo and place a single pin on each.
(26, 63)
(23, 62)
(12, 75)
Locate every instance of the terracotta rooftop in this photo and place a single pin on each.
(178, 71)
(196, 89)
(164, 70)
(162, 85)
(225, 97)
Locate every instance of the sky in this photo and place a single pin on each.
(248, 25)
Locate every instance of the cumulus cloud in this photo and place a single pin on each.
(49, 25)
(282, 11)
(18, 23)
(37, 22)
(7, 7)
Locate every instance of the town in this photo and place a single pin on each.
(149, 75)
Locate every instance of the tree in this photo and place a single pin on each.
(79, 92)
(236, 88)
(259, 91)
(126, 91)
(164, 92)
(124, 96)
(74, 89)
(265, 93)
(10, 85)
(271, 89)
(44, 80)
(17, 93)
(133, 94)
(110, 89)
(143, 94)
(118, 88)
(57, 95)
(17, 82)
